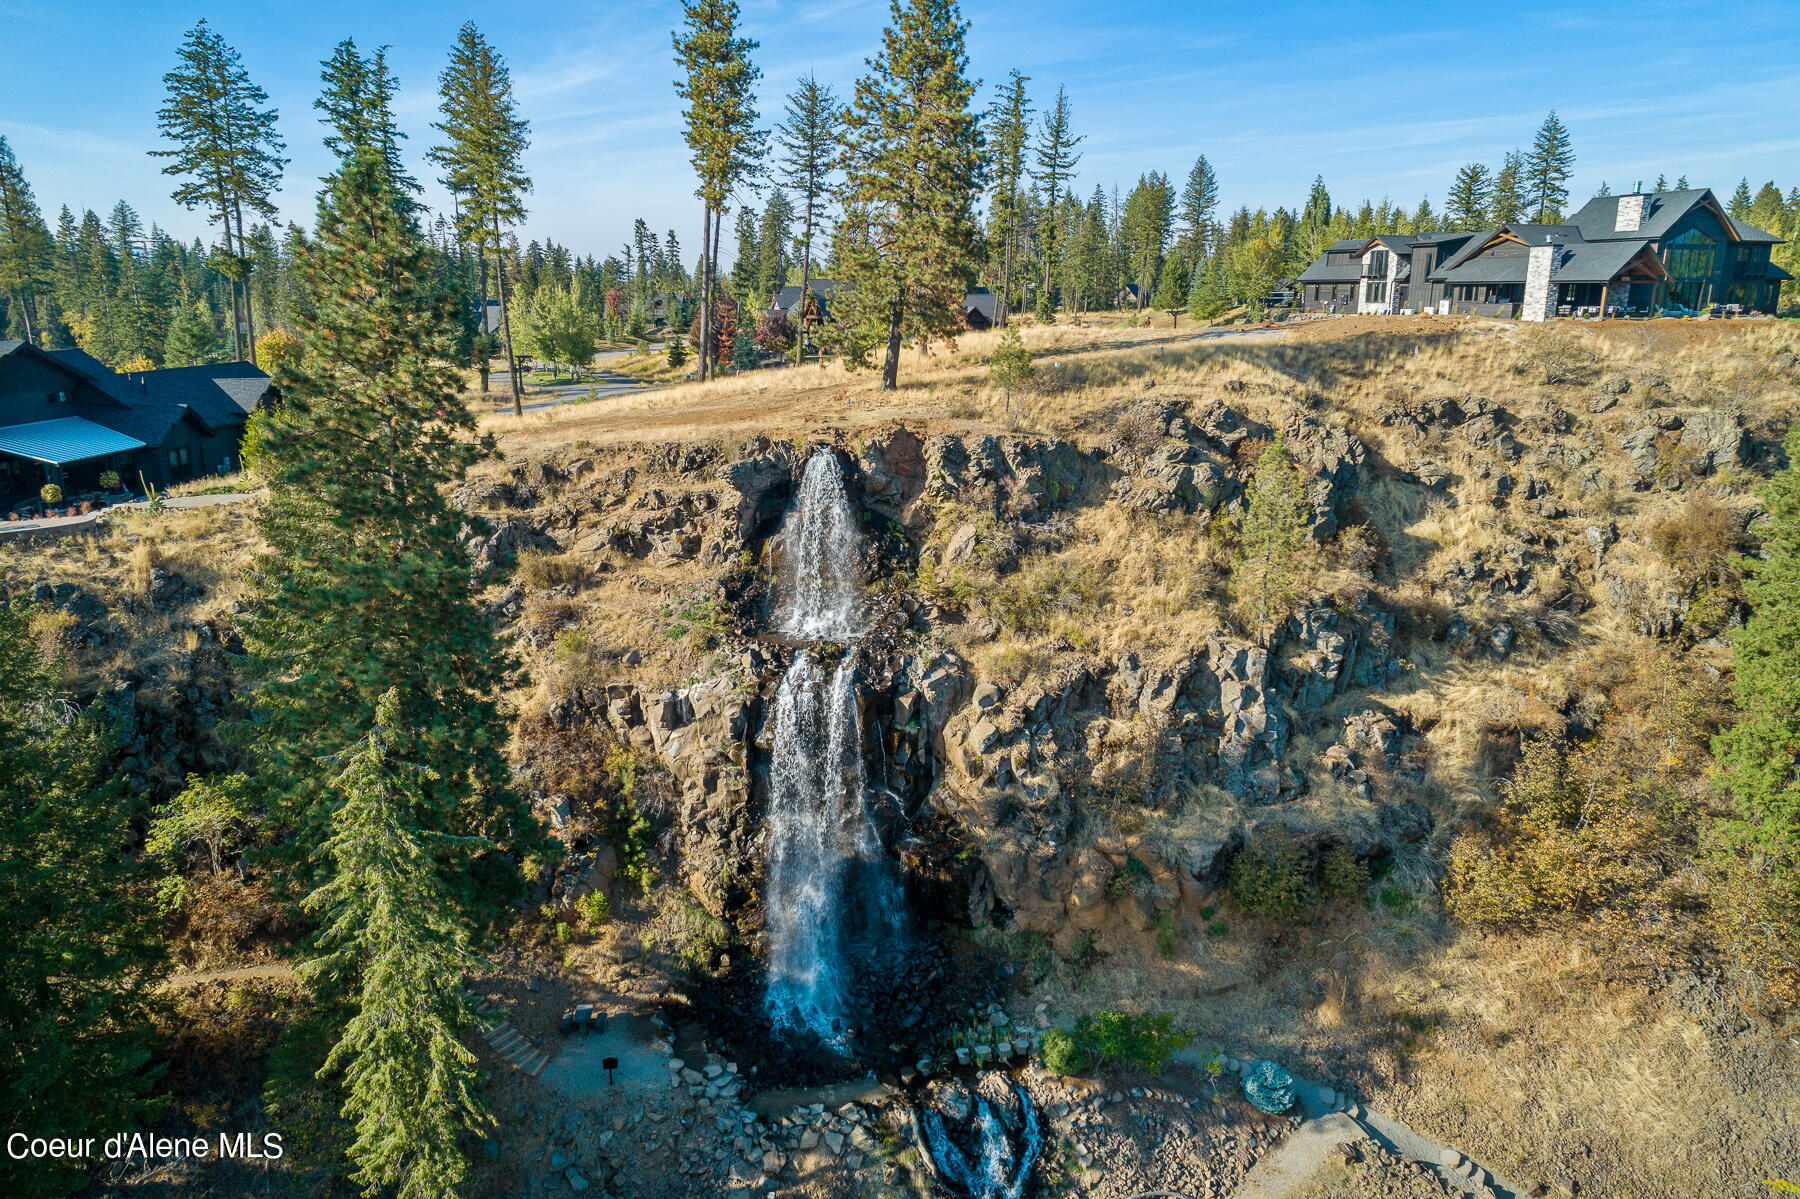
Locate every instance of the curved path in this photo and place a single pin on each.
(1322, 1104)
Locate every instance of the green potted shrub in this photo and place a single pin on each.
(51, 494)
(109, 480)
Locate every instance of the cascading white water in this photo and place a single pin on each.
(828, 883)
(822, 550)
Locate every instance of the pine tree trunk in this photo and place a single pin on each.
(249, 315)
(890, 369)
(713, 267)
(805, 291)
(1005, 275)
(237, 315)
(25, 312)
(512, 363)
(702, 370)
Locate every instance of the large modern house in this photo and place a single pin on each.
(1676, 251)
(65, 418)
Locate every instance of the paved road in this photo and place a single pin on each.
(601, 383)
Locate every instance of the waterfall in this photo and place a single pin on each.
(823, 553)
(830, 898)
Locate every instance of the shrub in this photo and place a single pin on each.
(1272, 875)
(1561, 355)
(1114, 1038)
(1062, 1055)
(539, 571)
(1341, 872)
(594, 909)
(109, 479)
(50, 493)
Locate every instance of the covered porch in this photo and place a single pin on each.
(71, 453)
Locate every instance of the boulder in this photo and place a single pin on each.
(1715, 438)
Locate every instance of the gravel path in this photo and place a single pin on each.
(1321, 1103)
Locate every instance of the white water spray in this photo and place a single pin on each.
(823, 552)
(828, 883)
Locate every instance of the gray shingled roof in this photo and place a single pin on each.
(220, 393)
(1752, 233)
(146, 406)
(1323, 271)
(1507, 269)
(1597, 262)
(1598, 219)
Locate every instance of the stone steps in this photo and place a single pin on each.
(511, 1046)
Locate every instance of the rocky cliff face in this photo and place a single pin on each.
(1109, 783)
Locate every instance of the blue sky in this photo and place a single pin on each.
(1379, 98)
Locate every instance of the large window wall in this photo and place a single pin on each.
(1692, 260)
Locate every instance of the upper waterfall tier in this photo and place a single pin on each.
(822, 603)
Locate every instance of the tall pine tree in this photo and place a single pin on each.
(25, 248)
(1466, 207)
(227, 147)
(366, 581)
(1010, 122)
(358, 108)
(1056, 159)
(485, 140)
(807, 145)
(914, 166)
(1548, 168)
(393, 947)
(718, 85)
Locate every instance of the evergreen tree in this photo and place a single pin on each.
(747, 267)
(913, 153)
(807, 142)
(1172, 285)
(1507, 204)
(26, 262)
(1466, 207)
(358, 103)
(1756, 755)
(393, 945)
(1740, 200)
(77, 954)
(772, 242)
(1314, 227)
(1548, 168)
(719, 87)
(1056, 162)
(366, 580)
(227, 147)
(192, 338)
(485, 140)
(1423, 219)
(1200, 199)
(1148, 211)
(1272, 538)
(1010, 120)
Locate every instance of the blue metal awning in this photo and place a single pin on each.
(68, 439)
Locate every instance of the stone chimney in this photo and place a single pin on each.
(1540, 294)
(1631, 213)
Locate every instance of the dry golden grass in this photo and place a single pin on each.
(208, 547)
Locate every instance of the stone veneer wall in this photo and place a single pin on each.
(1540, 296)
(1364, 306)
(1631, 214)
